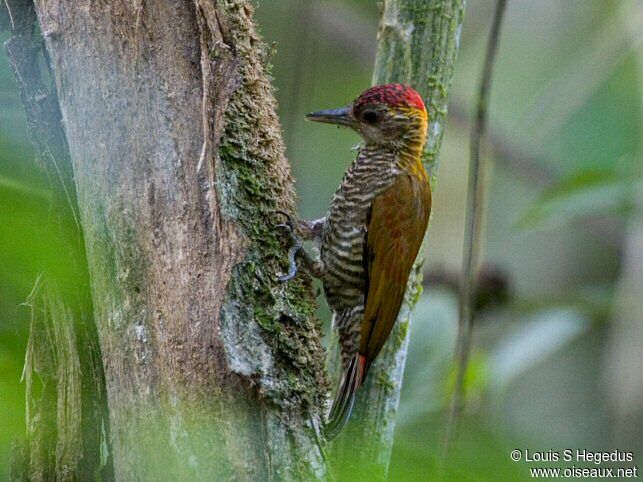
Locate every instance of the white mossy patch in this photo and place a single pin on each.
(435, 135)
(391, 20)
(245, 349)
(458, 34)
(143, 349)
(227, 184)
(141, 333)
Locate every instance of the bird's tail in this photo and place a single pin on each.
(345, 398)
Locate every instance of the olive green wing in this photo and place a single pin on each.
(395, 228)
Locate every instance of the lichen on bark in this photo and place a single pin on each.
(251, 194)
(270, 328)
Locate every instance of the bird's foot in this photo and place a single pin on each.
(296, 246)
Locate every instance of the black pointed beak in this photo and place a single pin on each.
(340, 117)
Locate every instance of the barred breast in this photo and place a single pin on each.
(343, 238)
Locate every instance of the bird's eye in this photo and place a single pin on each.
(370, 116)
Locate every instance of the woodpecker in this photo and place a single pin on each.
(372, 232)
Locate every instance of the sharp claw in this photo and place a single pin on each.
(288, 217)
(294, 249)
(287, 277)
(292, 262)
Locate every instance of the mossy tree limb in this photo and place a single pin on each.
(213, 368)
(418, 43)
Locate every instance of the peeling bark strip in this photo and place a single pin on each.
(67, 430)
(418, 43)
(213, 369)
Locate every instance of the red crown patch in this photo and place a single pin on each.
(395, 95)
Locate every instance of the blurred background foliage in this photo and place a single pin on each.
(559, 337)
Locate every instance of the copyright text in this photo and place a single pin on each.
(595, 464)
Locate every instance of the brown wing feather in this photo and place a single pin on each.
(395, 229)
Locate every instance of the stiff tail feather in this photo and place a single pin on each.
(340, 412)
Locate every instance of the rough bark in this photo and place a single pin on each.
(212, 368)
(418, 43)
(67, 429)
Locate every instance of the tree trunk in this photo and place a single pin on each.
(418, 43)
(213, 369)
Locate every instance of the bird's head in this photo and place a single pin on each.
(384, 114)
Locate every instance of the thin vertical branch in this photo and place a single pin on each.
(471, 247)
(418, 44)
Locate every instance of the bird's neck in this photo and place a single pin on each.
(405, 151)
(410, 149)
